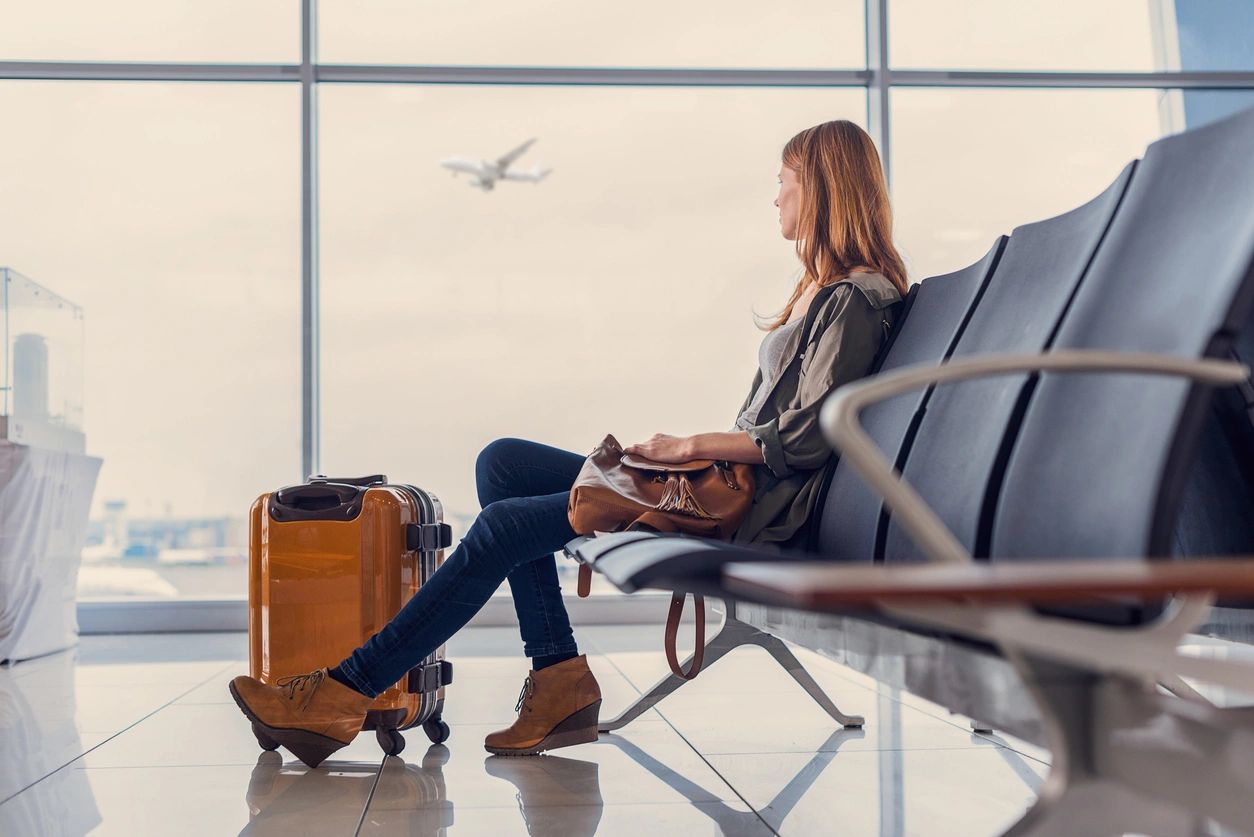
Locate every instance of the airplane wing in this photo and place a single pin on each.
(461, 164)
(509, 158)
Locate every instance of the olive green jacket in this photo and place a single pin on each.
(847, 322)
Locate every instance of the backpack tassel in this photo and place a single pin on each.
(678, 497)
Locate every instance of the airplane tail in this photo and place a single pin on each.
(538, 173)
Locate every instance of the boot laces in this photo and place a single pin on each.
(298, 682)
(528, 689)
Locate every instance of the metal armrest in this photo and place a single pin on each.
(839, 415)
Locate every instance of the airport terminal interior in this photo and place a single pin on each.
(319, 318)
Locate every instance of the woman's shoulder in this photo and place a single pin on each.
(875, 288)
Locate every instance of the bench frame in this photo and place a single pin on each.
(733, 634)
(1134, 746)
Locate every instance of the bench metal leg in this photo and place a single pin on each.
(784, 656)
(734, 634)
(1127, 758)
(1176, 685)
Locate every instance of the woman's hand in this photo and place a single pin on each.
(664, 448)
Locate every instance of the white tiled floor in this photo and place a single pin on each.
(137, 735)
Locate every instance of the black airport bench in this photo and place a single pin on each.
(1046, 486)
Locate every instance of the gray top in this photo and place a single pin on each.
(772, 361)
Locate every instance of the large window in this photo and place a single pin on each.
(613, 297)
(150, 30)
(170, 214)
(1024, 34)
(232, 342)
(595, 33)
(1072, 35)
(1017, 156)
(1011, 157)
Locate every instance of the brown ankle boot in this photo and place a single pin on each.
(310, 714)
(558, 707)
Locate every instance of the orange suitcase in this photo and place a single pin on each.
(330, 562)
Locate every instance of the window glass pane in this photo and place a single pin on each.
(171, 214)
(969, 165)
(1113, 35)
(648, 33)
(615, 296)
(150, 30)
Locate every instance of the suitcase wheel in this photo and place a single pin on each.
(436, 730)
(266, 742)
(390, 740)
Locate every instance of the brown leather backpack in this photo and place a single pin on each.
(617, 491)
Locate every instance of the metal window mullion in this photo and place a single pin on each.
(594, 76)
(310, 439)
(877, 74)
(145, 71)
(421, 74)
(879, 83)
(963, 78)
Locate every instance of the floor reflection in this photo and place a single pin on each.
(543, 782)
(168, 754)
(292, 799)
(410, 798)
(38, 735)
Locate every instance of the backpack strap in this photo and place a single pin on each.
(672, 633)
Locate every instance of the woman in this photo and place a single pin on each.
(833, 202)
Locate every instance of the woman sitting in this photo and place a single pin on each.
(833, 202)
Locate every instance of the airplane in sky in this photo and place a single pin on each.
(487, 172)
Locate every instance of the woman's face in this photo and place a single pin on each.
(788, 199)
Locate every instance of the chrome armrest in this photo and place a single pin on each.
(839, 419)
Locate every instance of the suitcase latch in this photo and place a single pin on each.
(428, 536)
(429, 677)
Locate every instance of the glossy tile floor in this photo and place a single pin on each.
(137, 735)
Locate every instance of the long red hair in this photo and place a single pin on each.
(844, 220)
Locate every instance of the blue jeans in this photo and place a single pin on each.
(523, 490)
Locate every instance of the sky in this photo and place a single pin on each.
(617, 296)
